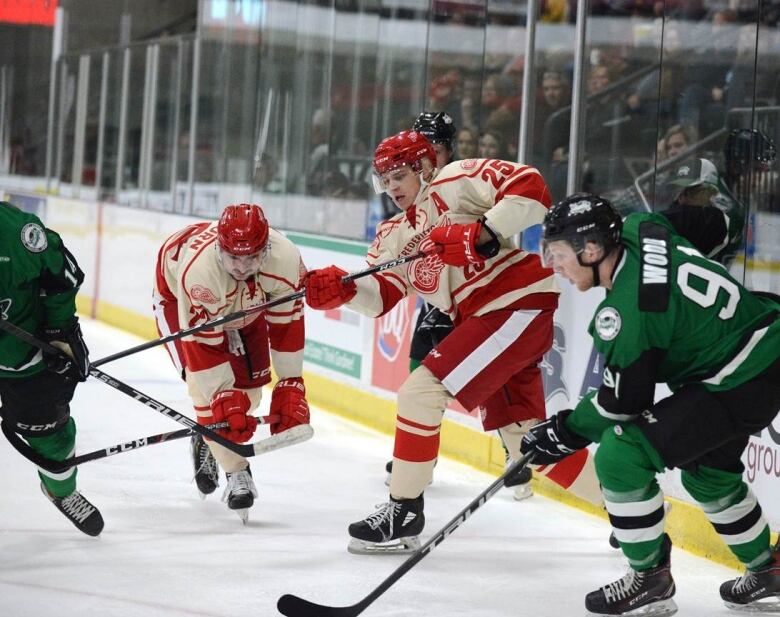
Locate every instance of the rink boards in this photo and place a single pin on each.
(354, 364)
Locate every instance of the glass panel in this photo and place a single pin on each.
(68, 79)
(93, 118)
(456, 40)
(113, 104)
(550, 125)
(135, 106)
(166, 106)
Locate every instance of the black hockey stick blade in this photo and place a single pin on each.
(294, 606)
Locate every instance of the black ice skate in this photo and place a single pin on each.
(756, 591)
(79, 511)
(521, 483)
(240, 492)
(646, 594)
(205, 466)
(393, 528)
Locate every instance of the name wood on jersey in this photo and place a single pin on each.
(655, 262)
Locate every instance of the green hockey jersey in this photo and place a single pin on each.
(39, 279)
(675, 317)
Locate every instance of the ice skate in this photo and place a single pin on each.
(756, 591)
(205, 466)
(393, 528)
(79, 511)
(646, 594)
(240, 493)
(521, 483)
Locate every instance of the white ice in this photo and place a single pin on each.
(166, 552)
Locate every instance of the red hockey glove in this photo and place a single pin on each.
(324, 289)
(289, 401)
(231, 406)
(458, 243)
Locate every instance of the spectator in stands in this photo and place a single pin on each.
(466, 145)
(676, 139)
(555, 95)
(492, 145)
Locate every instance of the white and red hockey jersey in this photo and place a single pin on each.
(192, 287)
(512, 197)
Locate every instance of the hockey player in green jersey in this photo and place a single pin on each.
(39, 279)
(670, 316)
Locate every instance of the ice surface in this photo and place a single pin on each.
(164, 552)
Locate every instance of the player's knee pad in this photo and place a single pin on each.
(58, 445)
(40, 424)
(422, 398)
(622, 461)
(708, 485)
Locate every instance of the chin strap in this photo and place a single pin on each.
(596, 277)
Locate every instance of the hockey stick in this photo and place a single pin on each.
(292, 436)
(255, 309)
(60, 466)
(294, 606)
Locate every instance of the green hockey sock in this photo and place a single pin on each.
(57, 447)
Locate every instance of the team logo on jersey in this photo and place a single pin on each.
(392, 329)
(552, 366)
(424, 273)
(608, 323)
(203, 294)
(34, 238)
(468, 164)
(5, 306)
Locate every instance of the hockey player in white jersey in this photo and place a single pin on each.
(499, 297)
(209, 270)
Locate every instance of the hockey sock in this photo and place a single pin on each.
(626, 465)
(729, 504)
(57, 447)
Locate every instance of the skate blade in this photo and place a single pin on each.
(767, 605)
(393, 547)
(655, 609)
(243, 514)
(523, 492)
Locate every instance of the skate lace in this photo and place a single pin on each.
(76, 507)
(385, 512)
(207, 463)
(746, 582)
(623, 587)
(239, 483)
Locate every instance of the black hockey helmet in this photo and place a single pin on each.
(437, 126)
(582, 218)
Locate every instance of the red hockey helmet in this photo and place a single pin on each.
(404, 148)
(242, 229)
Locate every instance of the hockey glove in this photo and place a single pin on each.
(232, 406)
(325, 289)
(70, 341)
(289, 401)
(551, 441)
(458, 244)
